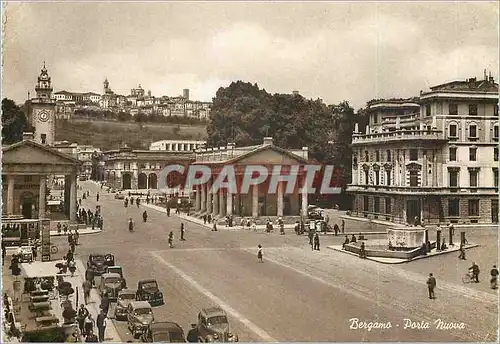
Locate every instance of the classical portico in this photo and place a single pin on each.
(257, 201)
(26, 167)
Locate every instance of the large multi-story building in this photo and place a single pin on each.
(434, 158)
(177, 145)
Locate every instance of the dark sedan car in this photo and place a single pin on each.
(99, 262)
(164, 332)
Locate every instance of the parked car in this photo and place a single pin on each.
(139, 316)
(117, 270)
(111, 284)
(125, 296)
(163, 332)
(147, 290)
(213, 326)
(119, 195)
(314, 212)
(99, 262)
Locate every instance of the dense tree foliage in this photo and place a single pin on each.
(244, 114)
(14, 122)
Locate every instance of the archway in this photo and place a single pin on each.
(142, 182)
(27, 205)
(126, 181)
(153, 181)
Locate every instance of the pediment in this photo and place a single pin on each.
(269, 155)
(413, 166)
(29, 152)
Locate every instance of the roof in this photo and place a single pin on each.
(213, 311)
(467, 85)
(127, 291)
(31, 143)
(159, 326)
(147, 281)
(111, 274)
(140, 304)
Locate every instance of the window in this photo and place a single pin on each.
(377, 156)
(375, 118)
(367, 178)
(414, 178)
(495, 177)
(473, 178)
(428, 110)
(365, 203)
(367, 157)
(453, 153)
(453, 207)
(473, 131)
(376, 205)
(44, 138)
(126, 166)
(495, 154)
(413, 154)
(453, 175)
(388, 152)
(473, 207)
(28, 179)
(388, 178)
(453, 109)
(472, 109)
(472, 154)
(388, 209)
(495, 110)
(377, 177)
(495, 132)
(453, 130)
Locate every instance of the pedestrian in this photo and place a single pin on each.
(336, 229)
(89, 325)
(101, 325)
(137, 201)
(362, 251)
(59, 227)
(101, 223)
(259, 254)
(431, 284)
(346, 242)
(494, 277)
(76, 237)
(168, 210)
(4, 252)
(171, 239)
(462, 252)
(215, 227)
(97, 197)
(353, 238)
(205, 219)
(475, 272)
(69, 256)
(80, 317)
(89, 276)
(91, 338)
(343, 226)
(34, 252)
(87, 287)
(311, 237)
(209, 218)
(316, 242)
(72, 267)
(105, 303)
(183, 230)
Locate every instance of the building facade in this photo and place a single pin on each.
(177, 145)
(435, 158)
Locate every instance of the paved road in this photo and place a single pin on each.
(295, 295)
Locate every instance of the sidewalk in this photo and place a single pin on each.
(39, 269)
(385, 260)
(82, 231)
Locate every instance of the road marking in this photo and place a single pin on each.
(253, 327)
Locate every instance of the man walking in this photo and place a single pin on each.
(183, 230)
(343, 226)
(316, 242)
(101, 325)
(431, 284)
(86, 286)
(89, 325)
(105, 304)
(171, 239)
(97, 197)
(81, 316)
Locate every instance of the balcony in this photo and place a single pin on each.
(421, 190)
(399, 135)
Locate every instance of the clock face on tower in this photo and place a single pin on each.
(43, 116)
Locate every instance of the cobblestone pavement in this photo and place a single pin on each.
(296, 295)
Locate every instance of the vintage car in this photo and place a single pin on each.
(111, 284)
(139, 316)
(147, 290)
(314, 212)
(163, 332)
(25, 254)
(125, 296)
(213, 326)
(117, 270)
(119, 195)
(98, 262)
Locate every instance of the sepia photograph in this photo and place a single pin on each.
(250, 171)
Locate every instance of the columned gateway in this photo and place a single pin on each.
(25, 168)
(257, 201)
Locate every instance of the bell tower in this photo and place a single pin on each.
(42, 115)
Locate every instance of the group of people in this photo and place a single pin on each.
(126, 201)
(86, 324)
(88, 217)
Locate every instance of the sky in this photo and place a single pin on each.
(336, 51)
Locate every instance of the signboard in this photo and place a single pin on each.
(45, 233)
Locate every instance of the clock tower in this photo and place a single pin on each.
(43, 112)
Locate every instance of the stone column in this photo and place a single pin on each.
(280, 199)
(209, 199)
(72, 199)
(10, 194)
(42, 198)
(255, 201)
(304, 200)
(198, 198)
(215, 209)
(229, 203)
(221, 203)
(203, 197)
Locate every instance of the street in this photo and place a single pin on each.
(297, 294)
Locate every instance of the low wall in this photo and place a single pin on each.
(385, 253)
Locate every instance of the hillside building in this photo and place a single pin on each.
(177, 145)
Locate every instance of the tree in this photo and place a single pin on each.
(14, 122)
